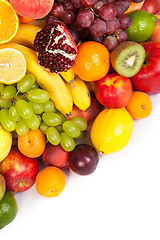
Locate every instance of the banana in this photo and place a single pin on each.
(69, 76)
(51, 82)
(80, 93)
(26, 35)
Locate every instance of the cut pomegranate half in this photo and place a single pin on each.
(55, 47)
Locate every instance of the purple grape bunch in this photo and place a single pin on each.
(104, 21)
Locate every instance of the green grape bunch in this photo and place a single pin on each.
(25, 106)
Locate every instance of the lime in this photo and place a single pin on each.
(8, 209)
(142, 26)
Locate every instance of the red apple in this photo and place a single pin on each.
(151, 6)
(113, 90)
(156, 33)
(55, 155)
(19, 171)
(89, 115)
(148, 78)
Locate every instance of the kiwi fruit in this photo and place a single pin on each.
(127, 58)
(2, 186)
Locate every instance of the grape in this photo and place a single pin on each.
(67, 4)
(33, 122)
(57, 10)
(8, 92)
(53, 135)
(35, 85)
(85, 18)
(51, 19)
(94, 38)
(67, 17)
(51, 119)
(98, 27)
(13, 114)
(43, 127)
(81, 122)
(22, 127)
(38, 108)
(24, 109)
(48, 106)
(125, 3)
(5, 103)
(67, 142)
(112, 26)
(59, 128)
(77, 3)
(6, 122)
(38, 95)
(120, 8)
(89, 3)
(71, 128)
(83, 159)
(98, 5)
(1, 87)
(75, 36)
(26, 83)
(125, 21)
(108, 11)
(110, 42)
(63, 118)
(121, 35)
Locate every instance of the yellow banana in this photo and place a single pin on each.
(69, 75)
(80, 93)
(51, 82)
(26, 35)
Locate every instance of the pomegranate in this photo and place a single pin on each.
(55, 47)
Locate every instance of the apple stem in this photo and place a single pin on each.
(16, 189)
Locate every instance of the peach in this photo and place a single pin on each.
(156, 33)
(134, 6)
(32, 8)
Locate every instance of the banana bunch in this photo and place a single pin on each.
(64, 88)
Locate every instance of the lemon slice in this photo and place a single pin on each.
(13, 66)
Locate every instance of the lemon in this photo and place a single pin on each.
(111, 130)
(8, 209)
(13, 66)
(5, 143)
(142, 25)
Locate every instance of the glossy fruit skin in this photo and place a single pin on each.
(148, 78)
(83, 159)
(113, 90)
(55, 155)
(19, 171)
(151, 6)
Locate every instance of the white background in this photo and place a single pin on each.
(120, 200)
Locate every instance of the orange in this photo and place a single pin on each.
(25, 19)
(139, 105)
(9, 22)
(50, 181)
(32, 144)
(92, 61)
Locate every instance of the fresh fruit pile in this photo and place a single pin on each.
(81, 67)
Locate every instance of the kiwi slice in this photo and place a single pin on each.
(127, 58)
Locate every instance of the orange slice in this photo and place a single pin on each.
(9, 22)
(12, 66)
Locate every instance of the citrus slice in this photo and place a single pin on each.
(9, 22)
(12, 66)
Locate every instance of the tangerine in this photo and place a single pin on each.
(92, 61)
(139, 105)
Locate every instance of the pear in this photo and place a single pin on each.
(2, 186)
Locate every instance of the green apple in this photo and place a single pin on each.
(5, 143)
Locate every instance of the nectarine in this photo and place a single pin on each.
(32, 8)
